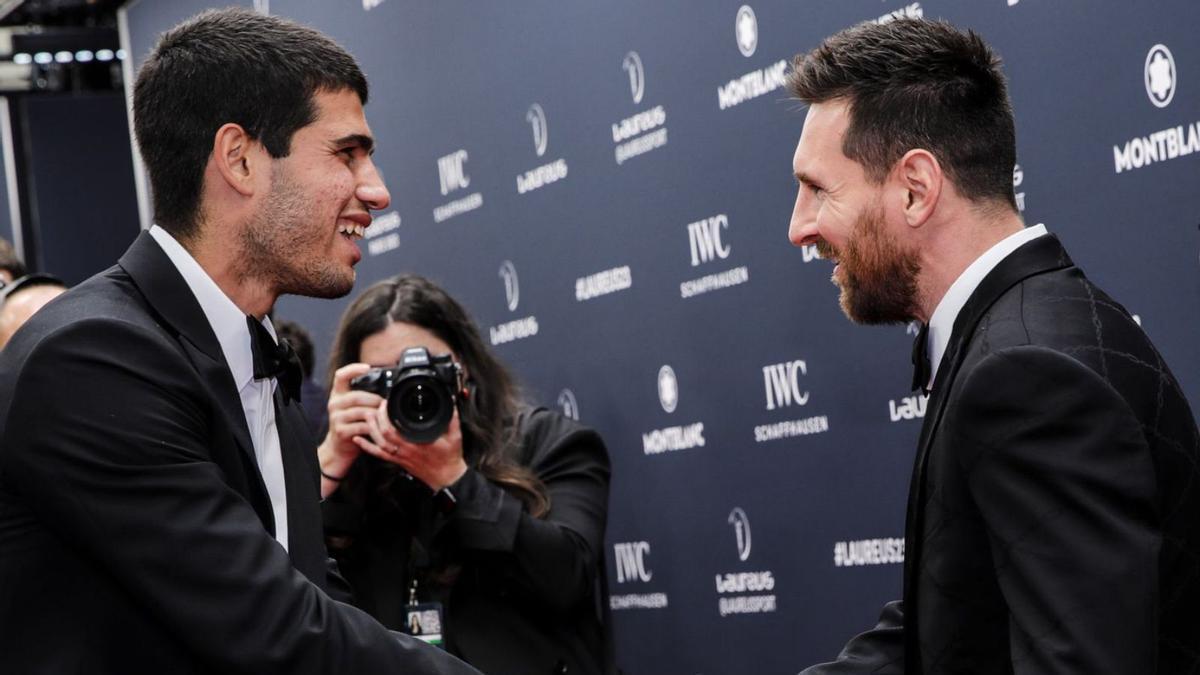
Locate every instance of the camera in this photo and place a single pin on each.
(421, 392)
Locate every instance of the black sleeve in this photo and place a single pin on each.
(553, 559)
(879, 651)
(1061, 473)
(119, 468)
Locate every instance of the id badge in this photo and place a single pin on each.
(424, 622)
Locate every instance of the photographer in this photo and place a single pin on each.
(494, 528)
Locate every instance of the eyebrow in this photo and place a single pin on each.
(805, 178)
(361, 140)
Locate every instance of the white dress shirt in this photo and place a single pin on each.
(942, 321)
(229, 324)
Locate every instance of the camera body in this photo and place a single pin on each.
(421, 391)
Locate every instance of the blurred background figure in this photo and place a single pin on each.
(312, 395)
(21, 298)
(491, 532)
(11, 266)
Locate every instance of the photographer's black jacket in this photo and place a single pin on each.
(522, 595)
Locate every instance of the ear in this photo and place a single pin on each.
(238, 158)
(921, 179)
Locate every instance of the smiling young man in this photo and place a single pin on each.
(1051, 523)
(158, 486)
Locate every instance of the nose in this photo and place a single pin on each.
(370, 190)
(802, 230)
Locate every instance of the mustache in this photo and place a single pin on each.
(827, 251)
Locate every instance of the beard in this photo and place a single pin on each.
(878, 276)
(286, 248)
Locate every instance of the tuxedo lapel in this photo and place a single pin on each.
(171, 298)
(1043, 254)
(300, 477)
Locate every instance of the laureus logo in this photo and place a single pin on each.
(741, 531)
(746, 29)
(1160, 76)
(668, 389)
(512, 289)
(637, 75)
(568, 404)
(541, 135)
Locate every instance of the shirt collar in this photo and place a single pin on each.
(227, 320)
(942, 321)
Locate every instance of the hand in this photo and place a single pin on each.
(436, 464)
(349, 412)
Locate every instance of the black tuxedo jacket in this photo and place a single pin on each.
(135, 530)
(1054, 512)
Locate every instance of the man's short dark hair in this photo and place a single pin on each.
(911, 84)
(9, 260)
(223, 66)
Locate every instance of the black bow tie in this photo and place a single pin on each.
(920, 359)
(275, 360)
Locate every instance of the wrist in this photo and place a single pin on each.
(451, 475)
(334, 464)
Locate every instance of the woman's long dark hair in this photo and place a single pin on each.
(488, 415)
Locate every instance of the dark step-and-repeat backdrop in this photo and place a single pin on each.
(607, 187)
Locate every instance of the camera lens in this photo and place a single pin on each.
(420, 405)
(420, 402)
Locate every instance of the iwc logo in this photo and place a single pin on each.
(568, 404)
(512, 287)
(631, 561)
(632, 565)
(746, 29)
(741, 532)
(537, 119)
(783, 390)
(1160, 76)
(637, 76)
(668, 389)
(452, 176)
(705, 238)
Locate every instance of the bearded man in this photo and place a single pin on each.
(1052, 519)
